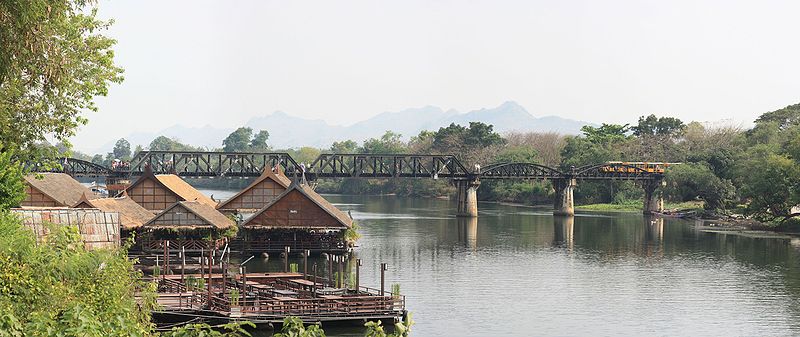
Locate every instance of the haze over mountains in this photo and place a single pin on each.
(287, 131)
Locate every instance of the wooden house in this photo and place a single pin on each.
(192, 225)
(98, 229)
(298, 218)
(158, 192)
(53, 190)
(258, 194)
(131, 214)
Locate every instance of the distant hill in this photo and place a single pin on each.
(283, 128)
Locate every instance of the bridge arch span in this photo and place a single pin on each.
(519, 170)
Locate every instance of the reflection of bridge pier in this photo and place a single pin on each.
(654, 228)
(468, 231)
(563, 227)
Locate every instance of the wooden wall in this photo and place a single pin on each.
(152, 196)
(256, 197)
(35, 198)
(179, 216)
(295, 210)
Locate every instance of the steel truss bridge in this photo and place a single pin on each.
(244, 164)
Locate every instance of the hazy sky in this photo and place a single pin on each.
(223, 62)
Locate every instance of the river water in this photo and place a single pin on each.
(519, 271)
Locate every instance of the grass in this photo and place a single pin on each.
(636, 206)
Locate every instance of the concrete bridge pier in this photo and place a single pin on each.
(564, 202)
(467, 196)
(653, 199)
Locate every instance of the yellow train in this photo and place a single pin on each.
(634, 167)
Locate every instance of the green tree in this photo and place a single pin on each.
(772, 186)
(782, 118)
(259, 142)
(695, 180)
(238, 140)
(97, 159)
(12, 189)
(163, 143)
(345, 146)
(389, 143)
(53, 61)
(122, 149)
(305, 154)
(658, 126)
(605, 134)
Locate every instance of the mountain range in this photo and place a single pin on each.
(283, 128)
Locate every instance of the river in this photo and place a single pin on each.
(518, 271)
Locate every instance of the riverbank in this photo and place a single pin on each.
(636, 206)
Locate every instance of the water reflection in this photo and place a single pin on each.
(563, 228)
(518, 271)
(468, 232)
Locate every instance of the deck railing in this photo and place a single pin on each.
(257, 304)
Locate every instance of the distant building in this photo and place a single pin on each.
(191, 225)
(98, 229)
(158, 192)
(53, 190)
(258, 194)
(298, 218)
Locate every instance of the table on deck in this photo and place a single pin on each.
(284, 293)
(305, 284)
(330, 291)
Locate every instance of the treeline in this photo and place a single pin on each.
(727, 168)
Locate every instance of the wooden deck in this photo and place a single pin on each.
(271, 297)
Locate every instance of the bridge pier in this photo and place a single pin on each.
(564, 202)
(467, 196)
(653, 199)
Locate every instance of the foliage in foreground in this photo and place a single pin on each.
(294, 327)
(235, 329)
(59, 287)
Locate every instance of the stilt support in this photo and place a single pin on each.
(564, 203)
(467, 196)
(653, 199)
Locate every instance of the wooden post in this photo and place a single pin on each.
(183, 263)
(166, 259)
(341, 272)
(210, 264)
(286, 259)
(202, 265)
(383, 270)
(330, 270)
(358, 267)
(305, 263)
(314, 287)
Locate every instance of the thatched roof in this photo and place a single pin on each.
(277, 176)
(342, 220)
(180, 187)
(132, 215)
(190, 215)
(60, 187)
